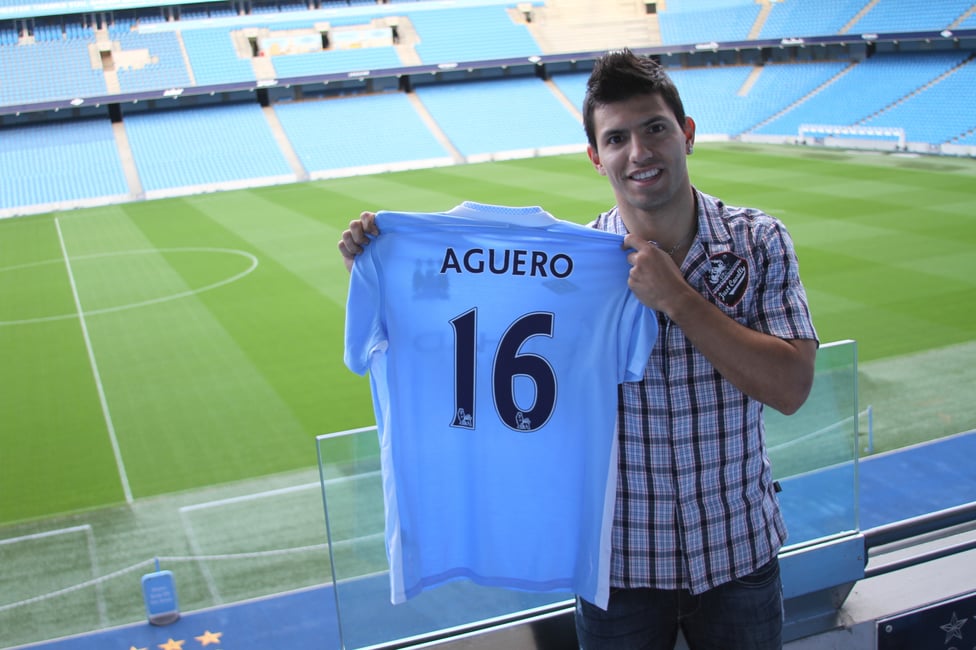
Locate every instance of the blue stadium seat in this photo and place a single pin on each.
(501, 115)
(729, 23)
(870, 86)
(910, 15)
(59, 161)
(29, 77)
(793, 18)
(335, 61)
(213, 58)
(204, 146)
(165, 69)
(358, 132)
(470, 34)
(936, 113)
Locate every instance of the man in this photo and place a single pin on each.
(697, 526)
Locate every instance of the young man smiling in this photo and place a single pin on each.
(697, 526)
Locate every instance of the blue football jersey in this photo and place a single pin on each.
(495, 338)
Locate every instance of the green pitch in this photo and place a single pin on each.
(159, 347)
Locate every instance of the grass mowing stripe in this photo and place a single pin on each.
(342, 199)
(295, 241)
(100, 389)
(189, 405)
(46, 392)
(268, 386)
(293, 333)
(197, 407)
(54, 454)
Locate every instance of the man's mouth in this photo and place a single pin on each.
(645, 175)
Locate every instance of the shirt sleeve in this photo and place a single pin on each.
(365, 331)
(782, 300)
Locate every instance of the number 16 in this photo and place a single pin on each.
(508, 364)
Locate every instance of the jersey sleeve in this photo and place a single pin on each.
(364, 328)
(636, 338)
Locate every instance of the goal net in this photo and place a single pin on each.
(841, 134)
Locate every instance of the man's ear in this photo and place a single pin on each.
(595, 159)
(689, 131)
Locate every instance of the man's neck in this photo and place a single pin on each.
(667, 227)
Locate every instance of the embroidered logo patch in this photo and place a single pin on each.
(728, 277)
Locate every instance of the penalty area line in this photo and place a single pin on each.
(94, 367)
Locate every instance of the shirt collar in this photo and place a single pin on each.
(711, 228)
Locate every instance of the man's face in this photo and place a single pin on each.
(641, 149)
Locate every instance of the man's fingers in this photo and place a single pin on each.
(356, 237)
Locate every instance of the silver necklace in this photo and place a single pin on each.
(671, 251)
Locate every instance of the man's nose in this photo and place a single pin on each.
(640, 150)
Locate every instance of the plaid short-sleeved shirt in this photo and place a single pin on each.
(696, 505)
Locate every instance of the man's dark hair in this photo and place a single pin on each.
(621, 75)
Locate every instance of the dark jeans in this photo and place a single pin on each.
(745, 614)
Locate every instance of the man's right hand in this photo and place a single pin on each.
(355, 238)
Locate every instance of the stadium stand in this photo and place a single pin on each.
(181, 148)
(470, 34)
(866, 88)
(29, 77)
(572, 85)
(335, 61)
(775, 87)
(359, 132)
(909, 16)
(915, 112)
(213, 57)
(53, 163)
(421, 82)
(705, 5)
(726, 23)
(491, 117)
(151, 61)
(790, 19)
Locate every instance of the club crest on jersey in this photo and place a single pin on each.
(428, 284)
(727, 278)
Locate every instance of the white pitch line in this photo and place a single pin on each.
(191, 539)
(45, 534)
(94, 366)
(99, 589)
(276, 492)
(141, 303)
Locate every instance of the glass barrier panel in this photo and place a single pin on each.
(814, 451)
(814, 459)
(352, 493)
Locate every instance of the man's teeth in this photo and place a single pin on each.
(643, 176)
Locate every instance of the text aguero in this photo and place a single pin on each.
(507, 262)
